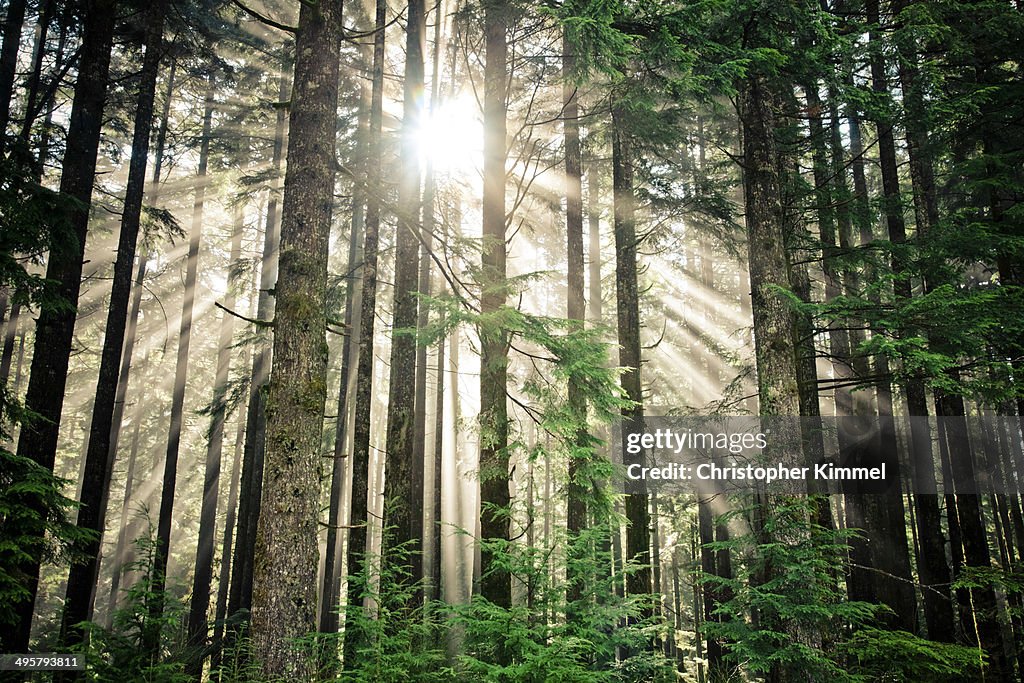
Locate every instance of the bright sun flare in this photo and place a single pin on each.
(452, 138)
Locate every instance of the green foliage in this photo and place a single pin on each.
(120, 653)
(789, 611)
(536, 642)
(787, 580)
(395, 641)
(239, 662)
(32, 220)
(875, 655)
(34, 525)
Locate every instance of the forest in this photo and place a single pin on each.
(379, 340)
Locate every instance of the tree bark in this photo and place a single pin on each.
(774, 348)
(932, 568)
(123, 374)
(576, 514)
(495, 582)
(198, 625)
(287, 552)
(151, 638)
(627, 299)
(885, 525)
(358, 515)
(55, 326)
(403, 483)
(99, 461)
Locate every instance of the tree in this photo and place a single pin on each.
(358, 568)
(284, 577)
(403, 484)
(495, 582)
(627, 306)
(167, 489)
(55, 327)
(197, 619)
(100, 455)
(576, 515)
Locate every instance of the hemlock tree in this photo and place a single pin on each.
(495, 582)
(403, 482)
(99, 463)
(56, 324)
(284, 577)
(361, 427)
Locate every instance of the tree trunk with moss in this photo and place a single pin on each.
(774, 347)
(403, 483)
(627, 307)
(287, 552)
(358, 510)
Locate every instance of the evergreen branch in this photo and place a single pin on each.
(264, 19)
(254, 321)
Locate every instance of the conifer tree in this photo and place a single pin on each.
(284, 576)
(55, 326)
(495, 582)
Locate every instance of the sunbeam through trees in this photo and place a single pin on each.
(477, 340)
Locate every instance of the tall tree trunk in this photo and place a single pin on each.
(203, 574)
(885, 525)
(858, 403)
(286, 558)
(151, 638)
(495, 583)
(627, 299)
(403, 483)
(358, 569)
(129, 345)
(798, 240)
(932, 567)
(331, 588)
(768, 263)
(432, 508)
(435, 530)
(774, 352)
(223, 579)
(708, 568)
(9, 62)
(55, 326)
(99, 461)
(576, 514)
(251, 485)
(594, 242)
(120, 549)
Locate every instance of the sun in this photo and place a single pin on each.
(451, 138)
